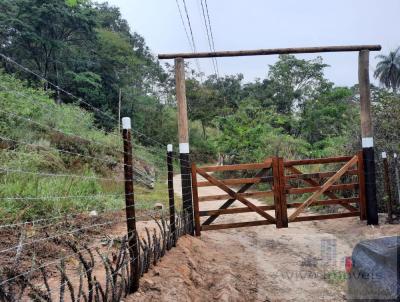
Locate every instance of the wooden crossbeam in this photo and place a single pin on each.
(235, 195)
(243, 189)
(323, 188)
(327, 193)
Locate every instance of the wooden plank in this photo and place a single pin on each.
(338, 201)
(256, 166)
(240, 210)
(225, 196)
(340, 187)
(235, 195)
(238, 181)
(195, 194)
(328, 193)
(326, 216)
(233, 211)
(325, 160)
(270, 51)
(230, 201)
(318, 175)
(323, 188)
(234, 225)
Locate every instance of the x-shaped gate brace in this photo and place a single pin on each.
(234, 195)
(323, 188)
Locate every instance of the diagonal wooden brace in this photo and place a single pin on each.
(235, 195)
(324, 187)
(316, 184)
(243, 189)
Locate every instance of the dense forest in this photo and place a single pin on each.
(82, 53)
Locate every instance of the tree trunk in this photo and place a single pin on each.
(204, 130)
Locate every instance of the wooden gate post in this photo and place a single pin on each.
(196, 201)
(183, 131)
(367, 138)
(130, 206)
(279, 193)
(171, 197)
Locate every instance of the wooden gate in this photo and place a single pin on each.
(287, 181)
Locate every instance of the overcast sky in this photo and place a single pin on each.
(253, 24)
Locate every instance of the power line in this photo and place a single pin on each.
(191, 34)
(184, 26)
(208, 34)
(212, 36)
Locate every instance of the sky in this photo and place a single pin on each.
(255, 24)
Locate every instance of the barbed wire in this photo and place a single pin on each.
(85, 248)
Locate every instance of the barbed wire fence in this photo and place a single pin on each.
(63, 254)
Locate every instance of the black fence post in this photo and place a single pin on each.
(172, 219)
(187, 202)
(388, 187)
(130, 206)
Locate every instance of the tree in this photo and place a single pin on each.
(84, 47)
(37, 32)
(294, 81)
(328, 118)
(388, 70)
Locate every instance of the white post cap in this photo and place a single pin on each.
(169, 147)
(184, 148)
(395, 155)
(126, 123)
(383, 154)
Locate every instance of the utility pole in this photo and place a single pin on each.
(183, 132)
(367, 137)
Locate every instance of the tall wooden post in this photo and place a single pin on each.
(388, 187)
(130, 206)
(183, 132)
(172, 221)
(367, 137)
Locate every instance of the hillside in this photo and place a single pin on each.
(56, 160)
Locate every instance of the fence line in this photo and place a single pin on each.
(67, 229)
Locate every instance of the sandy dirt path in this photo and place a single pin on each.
(304, 262)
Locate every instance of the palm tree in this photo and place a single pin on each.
(388, 70)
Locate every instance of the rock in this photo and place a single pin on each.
(158, 206)
(93, 214)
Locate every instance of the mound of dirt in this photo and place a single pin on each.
(195, 271)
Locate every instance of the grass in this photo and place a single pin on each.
(40, 136)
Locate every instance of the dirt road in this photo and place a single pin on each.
(304, 262)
